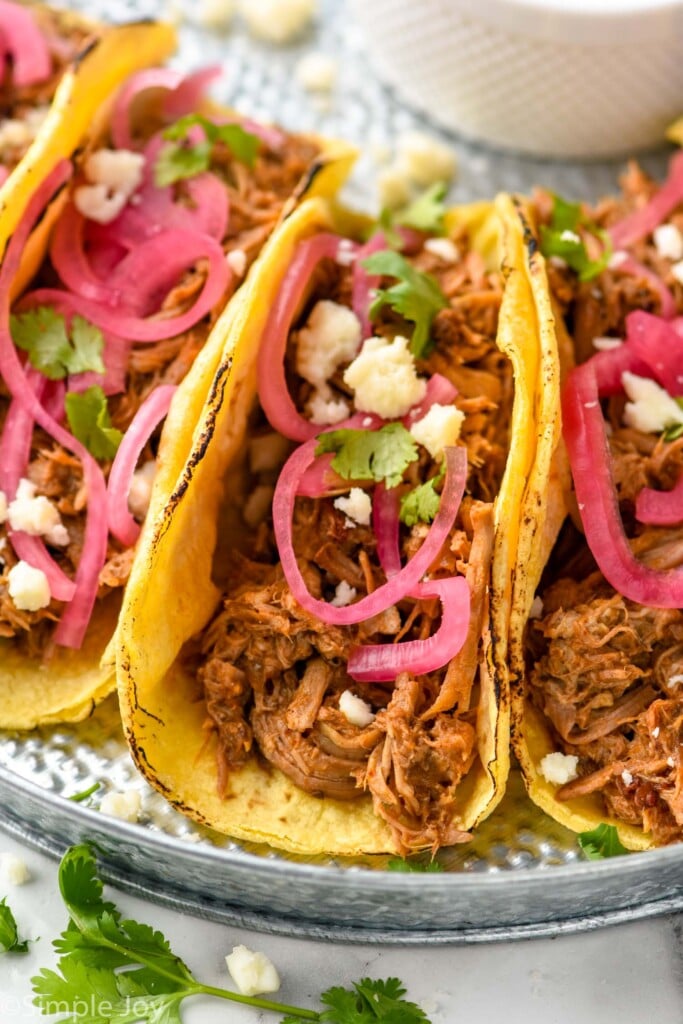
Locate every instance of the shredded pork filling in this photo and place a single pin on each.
(257, 196)
(273, 674)
(606, 672)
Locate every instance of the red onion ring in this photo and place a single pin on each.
(24, 43)
(642, 222)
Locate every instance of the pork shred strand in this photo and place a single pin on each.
(409, 759)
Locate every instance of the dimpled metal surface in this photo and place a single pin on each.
(523, 875)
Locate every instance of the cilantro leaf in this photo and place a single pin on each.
(42, 333)
(370, 1001)
(85, 794)
(89, 420)
(417, 296)
(410, 866)
(421, 504)
(562, 238)
(182, 158)
(426, 212)
(9, 935)
(378, 455)
(674, 431)
(601, 842)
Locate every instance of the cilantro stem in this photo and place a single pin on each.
(261, 1004)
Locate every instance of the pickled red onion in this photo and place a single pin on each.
(658, 345)
(642, 222)
(24, 43)
(385, 525)
(377, 663)
(275, 399)
(154, 408)
(439, 391)
(184, 94)
(399, 585)
(667, 303)
(586, 440)
(72, 626)
(363, 282)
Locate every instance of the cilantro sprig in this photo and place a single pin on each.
(84, 796)
(89, 420)
(42, 333)
(414, 866)
(674, 431)
(416, 296)
(562, 237)
(181, 158)
(381, 455)
(426, 212)
(9, 934)
(129, 973)
(601, 842)
(421, 504)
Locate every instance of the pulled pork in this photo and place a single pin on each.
(273, 674)
(606, 672)
(257, 197)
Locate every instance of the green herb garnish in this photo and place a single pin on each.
(674, 431)
(426, 212)
(129, 972)
(417, 296)
(378, 455)
(563, 238)
(9, 936)
(42, 333)
(602, 842)
(422, 503)
(79, 798)
(184, 159)
(89, 420)
(410, 866)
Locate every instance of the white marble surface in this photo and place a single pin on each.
(632, 973)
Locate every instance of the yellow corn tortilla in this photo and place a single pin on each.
(69, 685)
(171, 594)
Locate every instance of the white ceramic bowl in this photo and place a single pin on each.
(561, 78)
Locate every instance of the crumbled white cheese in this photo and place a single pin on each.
(355, 710)
(668, 241)
(36, 515)
(113, 176)
(28, 587)
(617, 258)
(671, 763)
(655, 732)
(559, 768)
(237, 261)
(215, 13)
(346, 253)
(121, 170)
(384, 378)
(325, 410)
(14, 869)
(677, 271)
(536, 610)
(605, 344)
(278, 21)
(569, 236)
(438, 428)
(96, 203)
(141, 489)
(3, 506)
(317, 72)
(343, 595)
(650, 409)
(330, 337)
(357, 505)
(253, 973)
(258, 505)
(425, 159)
(626, 778)
(393, 187)
(675, 680)
(444, 248)
(126, 805)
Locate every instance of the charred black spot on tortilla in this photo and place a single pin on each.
(309, 177)
(89, 48)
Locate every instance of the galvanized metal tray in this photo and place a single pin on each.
(523, 875)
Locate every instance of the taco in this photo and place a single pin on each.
(599, 711)
(312, 651)
(121, 308)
